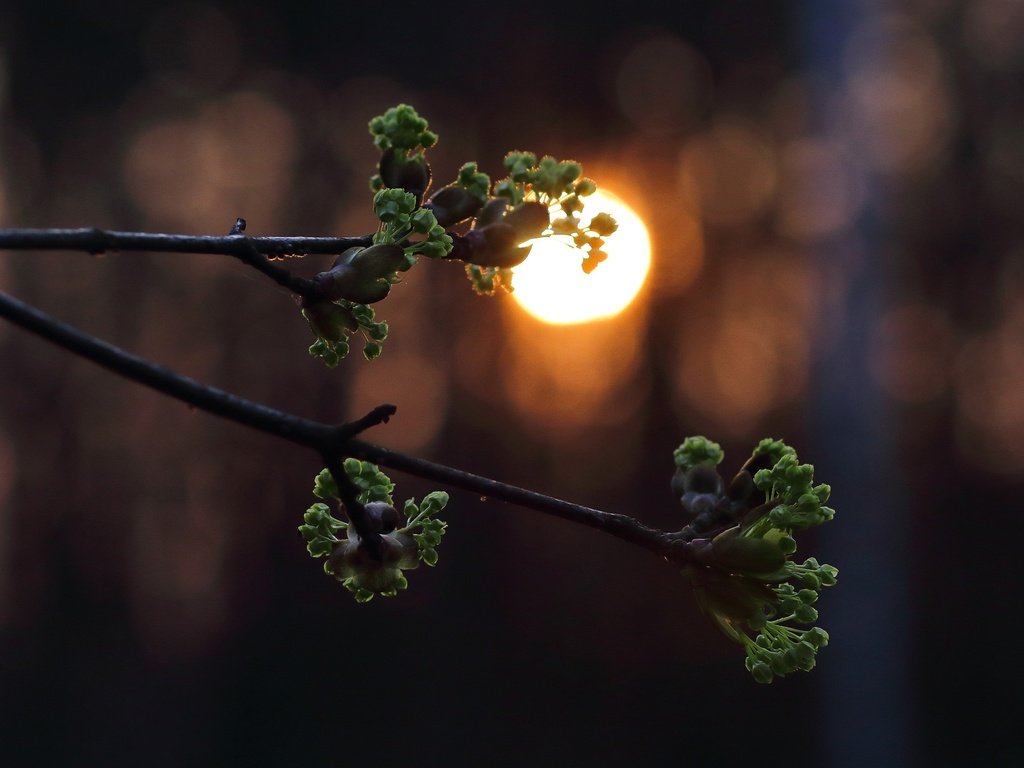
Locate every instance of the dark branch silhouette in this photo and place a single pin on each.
(330, 441)
(253, 251)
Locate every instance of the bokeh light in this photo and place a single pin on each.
(233, 154)
(663, 84)
(728, 174)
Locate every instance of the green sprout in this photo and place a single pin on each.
(400, 217)
(408, 538)
(401, 128)
(742, 543)
(332, 343)
(697, 450)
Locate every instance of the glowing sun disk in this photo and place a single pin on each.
(552, 287)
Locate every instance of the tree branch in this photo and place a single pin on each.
(329, 441)
(252, 251)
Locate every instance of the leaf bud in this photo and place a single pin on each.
(529, 220)
(401, 172)
(739, 554)
(346, 281)
(492, 246)
(452, 204)
(383, 517)
(328, 320)
(492, 212)
(377, 261)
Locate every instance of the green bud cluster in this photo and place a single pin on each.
(332, 344)
(407, 538)
(487, 281)
(319, 530)
(696, 450)
(400, 218)
(401, 135)
(741, 543)
(424, 526)
(537, 199)
(474, 182)
(401, 128)
(373, 484)
(798, 503)
(557, 186)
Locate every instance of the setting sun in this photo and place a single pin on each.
(552, 287)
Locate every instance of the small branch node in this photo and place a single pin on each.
(379, 415)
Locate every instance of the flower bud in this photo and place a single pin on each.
(762, 673)
(351, 562)
(806, 614)
(817, 637)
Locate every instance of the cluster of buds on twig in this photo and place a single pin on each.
(404, 538)
(741, 544)
(493, 229)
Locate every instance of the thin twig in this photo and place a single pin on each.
(356, 512)
(93, 240)
(331, 442)
(621, 526)
(252, 251)
(285, 425)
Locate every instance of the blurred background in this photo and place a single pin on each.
(832, 191)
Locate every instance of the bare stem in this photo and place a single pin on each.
(253, 251)
(330, 441)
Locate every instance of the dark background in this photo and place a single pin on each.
(833, 193)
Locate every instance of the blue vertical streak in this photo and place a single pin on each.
(865, 670)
